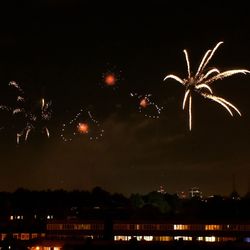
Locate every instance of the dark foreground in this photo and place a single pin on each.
(156, 245)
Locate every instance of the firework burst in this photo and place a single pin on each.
(36, 120)
(111, 77)
(23, 115)
(201, 81)
(147, 106)
(15, 105)
(83, 123)
(14, 108)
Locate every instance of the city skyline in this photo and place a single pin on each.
(62, 52)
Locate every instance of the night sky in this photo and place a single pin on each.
(61, 49)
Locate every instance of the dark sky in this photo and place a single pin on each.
(60, 49)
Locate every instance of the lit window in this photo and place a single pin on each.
(121, 237)
(3, 236)
(163, 238)
(25, 236)
(185, 238)
(11, 217)
(81, 226)
(181, 227)
(34, 236)
(210, 239)
(148, 238)
(213, 227)
(229, 239)
(15, 236)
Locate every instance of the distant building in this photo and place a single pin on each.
(182, 195)
(195, 192)
(234, 195)
(161, 189)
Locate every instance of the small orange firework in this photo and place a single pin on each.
(144, 103)
(146, 106)
(110, 79)
(83, 128)
(82, 124)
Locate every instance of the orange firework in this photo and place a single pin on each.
(82, 124)
(147, 106)
(144, 103)
(83, 128)
(110, 79)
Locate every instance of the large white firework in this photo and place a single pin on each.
(200, 83)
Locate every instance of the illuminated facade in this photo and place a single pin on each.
(56, 233)
(160, 231)
(76, 228)
(195, 192)
(161, 190)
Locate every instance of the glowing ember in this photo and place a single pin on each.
(83, 128)
(144, 103)
(110, 79)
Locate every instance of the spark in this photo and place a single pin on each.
(47, 132)
(17, 86)
(4, 107)
(200, 82)
(185, 98)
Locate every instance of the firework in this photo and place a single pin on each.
(83, 123)
(83, 128)
(24, 116)
(13, 107)
(200, 83)
(16, 86)
(36, 119)
(111, 77)
(147, 106)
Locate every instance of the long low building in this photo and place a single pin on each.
(166, 231)
(77, 229)
(124, 230)
(57, 232)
